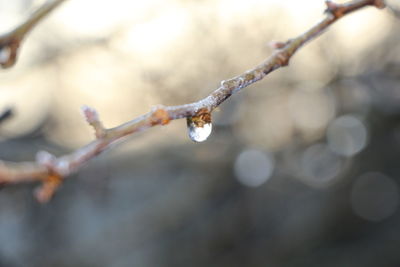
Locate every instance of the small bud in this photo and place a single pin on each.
(45, 158)
(90, 114)
(63, 167)
(276, 44)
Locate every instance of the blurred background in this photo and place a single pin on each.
(302, 168)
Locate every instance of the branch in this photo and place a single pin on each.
(50, 170)
(11, 41)
(6, 114)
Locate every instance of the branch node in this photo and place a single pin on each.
(62, 167)
(53, 180)
(46, 159)
(159, 115)
(229, 84)
(59, 166)
(92, 118)
(379, 4)
(334, 9)
(8, 51)
(282, 58)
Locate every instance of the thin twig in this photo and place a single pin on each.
(10, 42)
(6, 114)
(50, 169)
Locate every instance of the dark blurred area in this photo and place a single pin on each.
(302, 168)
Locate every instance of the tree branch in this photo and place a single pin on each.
(11, 41)
(50, 170)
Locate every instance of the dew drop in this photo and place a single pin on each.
(199, 127)
(199, 134)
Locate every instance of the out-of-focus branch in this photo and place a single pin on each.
(50, 170)
(11, 41)
(6, 114)
(394, 8)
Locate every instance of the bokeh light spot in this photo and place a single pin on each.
(311, 110)
(253, 167)
(319, 165)
(347, 136)
(374, 197)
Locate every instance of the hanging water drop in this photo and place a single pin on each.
(199, 134)
(199, 126)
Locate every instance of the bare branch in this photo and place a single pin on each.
(11, 41)
(6, 114)
(49, 169)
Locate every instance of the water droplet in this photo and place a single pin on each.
(199, 133)
(199, 126)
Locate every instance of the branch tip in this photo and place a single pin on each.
(90, 114)
(330, 5)
(277, 44)
(48, 188)
(92, 117)
(334, 9)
